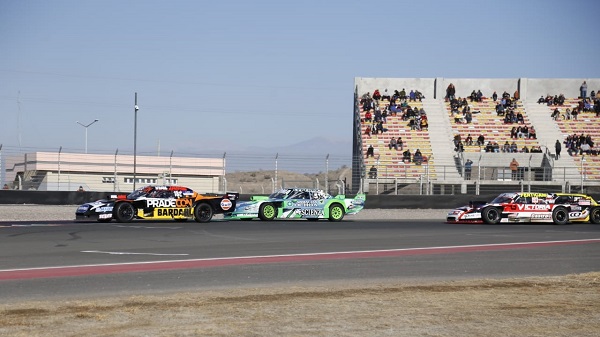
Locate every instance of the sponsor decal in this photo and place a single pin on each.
(105, 216)
(585, 202)
(541, 195)
(307, 203)
(529, 207)
(177, 188)
(104, 209)
(472, 216)
(183, 202)
(173, 212)
(310, 212)
(575, 215)
(226, 204)
(154, 202)
(541, 216)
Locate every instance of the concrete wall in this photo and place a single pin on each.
(530, 88)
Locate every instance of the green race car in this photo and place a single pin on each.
(297, 203)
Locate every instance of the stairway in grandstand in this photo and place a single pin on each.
(441, 142)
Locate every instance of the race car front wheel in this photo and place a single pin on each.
(595, 215)
(267, 212)
(491, 215)
(203, 213)
(560, 215)
(124, 212)
(336, 212)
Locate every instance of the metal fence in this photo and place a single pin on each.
(334, 173)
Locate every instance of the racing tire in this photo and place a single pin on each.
(124, 212)
(203, 213)
(491, 215)
(595, 215)
(336, 212)
(267, 212)
(560, 215)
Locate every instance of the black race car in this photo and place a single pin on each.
(158, 203)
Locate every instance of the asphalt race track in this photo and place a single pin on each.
(45, 259)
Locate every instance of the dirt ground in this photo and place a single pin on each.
(551, 306)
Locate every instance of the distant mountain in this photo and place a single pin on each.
(318, 146)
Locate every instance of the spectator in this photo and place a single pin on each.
(80, 189)
(468, 117)
(418, 157)
(386, 95)
(5, 187)
(532, 133)
(373, 172)
(370, 151)
(513, 147)
(514, 167)
(469, 140)
(574, 113)
(513, 132)
(403, 94)
(555, 114)
(368, 131)
(400, 143)
(480, 140)
(516, 95)
(496, 147)
(489, 147)
(520, 118)
(506, 147)
(557, 148)
(376, 95)
(393, 144)
(583, 90)
(406, 156)
(495, 96)
(450, 92)
(541, 100)
(525, 149)
(412, 96)
(368, 116)
(468, 167)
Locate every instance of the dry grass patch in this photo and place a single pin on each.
(552, 306)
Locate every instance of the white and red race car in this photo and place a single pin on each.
(526, 207)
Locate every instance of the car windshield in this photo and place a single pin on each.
(504, 198)
(139, 193)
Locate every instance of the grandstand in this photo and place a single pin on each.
(444, 162)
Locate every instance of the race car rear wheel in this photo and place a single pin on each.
(203, 212)
(560, 215)
(491, 215)
(336, 212)
(595, 215)
(124, 212)
(267, 212)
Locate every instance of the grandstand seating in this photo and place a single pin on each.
(487, 122)
(389, 162)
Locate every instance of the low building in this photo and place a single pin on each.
(55, 171)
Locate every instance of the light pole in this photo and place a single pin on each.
(135, 108)
(86, 127)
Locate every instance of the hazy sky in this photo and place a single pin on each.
(231, 74)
